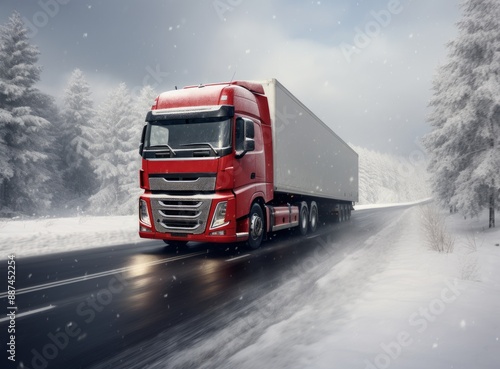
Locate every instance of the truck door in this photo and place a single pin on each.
(245, 164)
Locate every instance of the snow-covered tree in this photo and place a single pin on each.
(142, 104)
(77, 134)
(115, 148)
(385, 178)
(24, 139)
(464, 145)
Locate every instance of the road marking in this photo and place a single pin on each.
(313, 236)
(98, 275)
(30, 312)
(238, 257)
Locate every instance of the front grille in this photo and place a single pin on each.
(182, 182)
(174, 214)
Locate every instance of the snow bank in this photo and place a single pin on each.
(28, 237)
(417, 312)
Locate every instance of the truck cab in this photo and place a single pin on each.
(207, 165)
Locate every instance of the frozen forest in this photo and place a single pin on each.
(464, 145)
(70, 158)
(81, 158)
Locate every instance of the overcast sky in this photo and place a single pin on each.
(364, 67)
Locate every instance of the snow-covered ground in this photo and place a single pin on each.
(29, 237)
(394, 303)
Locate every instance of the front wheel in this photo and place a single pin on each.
(256, 227)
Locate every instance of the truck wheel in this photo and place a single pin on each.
(338, 214)
(256, 227)
(313, 217)
(303, 218)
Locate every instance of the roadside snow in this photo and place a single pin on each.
(417, 312)
(29, 237)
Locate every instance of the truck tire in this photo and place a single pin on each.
(303, 218)
(338, 214)
(255, 227)
(313, 217)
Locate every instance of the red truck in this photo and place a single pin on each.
(230, 162)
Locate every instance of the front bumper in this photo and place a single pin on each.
(189, 218)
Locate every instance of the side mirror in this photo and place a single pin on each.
(245, 134)
(249, 129)
(143, 137)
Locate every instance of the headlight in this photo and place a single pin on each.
(219, 215)
(144, 213)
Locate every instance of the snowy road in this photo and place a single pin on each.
(79, 309)
(139, 305)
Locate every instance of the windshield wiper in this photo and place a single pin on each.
(161, 146)
(203, 144)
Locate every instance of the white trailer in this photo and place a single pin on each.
(309, 158)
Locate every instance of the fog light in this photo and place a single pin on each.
(218, 233)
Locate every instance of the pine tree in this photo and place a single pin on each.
(24, 136)
(141, 106)
(464, 145)
(77, 133)
(44, 106)
(116, 157)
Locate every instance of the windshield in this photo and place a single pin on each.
(186, 133)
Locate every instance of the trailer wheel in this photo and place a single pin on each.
(256, 227)
(303, 218)
(338, 215)
(313, 217)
